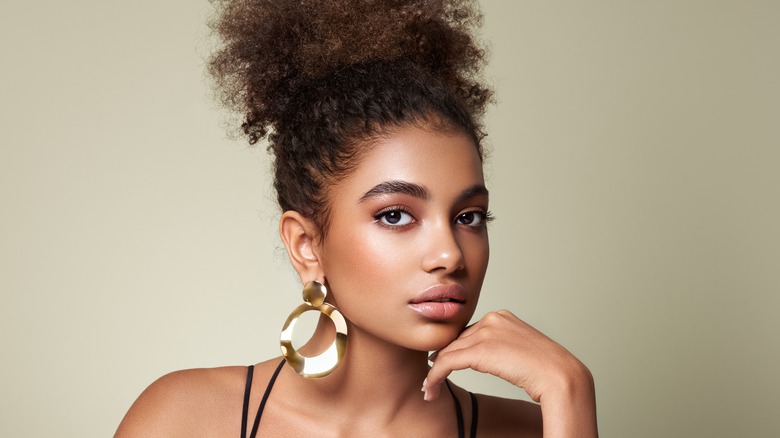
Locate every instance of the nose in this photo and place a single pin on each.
(442, 250)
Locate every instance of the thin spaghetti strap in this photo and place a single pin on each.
(474, 415)
(267, 392)
(458, 411)
(245, 410)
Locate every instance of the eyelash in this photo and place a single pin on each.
(394, 209)
(487, 217)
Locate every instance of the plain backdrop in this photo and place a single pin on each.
(634, 172)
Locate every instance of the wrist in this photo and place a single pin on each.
(572, 382)
(569, 404)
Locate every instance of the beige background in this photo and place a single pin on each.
(634, 175)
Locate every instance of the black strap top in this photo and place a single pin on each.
(256, 424)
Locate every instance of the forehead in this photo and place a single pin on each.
(441, 161)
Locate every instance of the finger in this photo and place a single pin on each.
(487, 319)
(446, 363)
(459, 343)
(469, 330)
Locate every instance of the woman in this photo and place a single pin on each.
(372, 111)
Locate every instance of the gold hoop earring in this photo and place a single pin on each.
(314, 294)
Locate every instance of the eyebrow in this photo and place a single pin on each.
(417, 191)
(394, 187)
(475, 190)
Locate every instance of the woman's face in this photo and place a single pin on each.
(407, 246)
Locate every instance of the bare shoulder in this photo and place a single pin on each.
(195, 402)
(503, 417)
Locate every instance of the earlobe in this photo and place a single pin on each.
(299, 235)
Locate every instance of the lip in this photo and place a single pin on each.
(440, 302)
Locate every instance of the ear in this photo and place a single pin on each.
(300, 237)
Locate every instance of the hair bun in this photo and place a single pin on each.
(273, 50)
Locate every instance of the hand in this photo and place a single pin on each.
(503, 345)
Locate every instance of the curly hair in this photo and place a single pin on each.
(320, 79)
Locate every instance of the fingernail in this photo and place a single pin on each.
(425, 384)
(425, 396)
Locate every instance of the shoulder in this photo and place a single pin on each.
(205, 401)
(502, 417)
(182, 402)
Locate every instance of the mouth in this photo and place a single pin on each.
(441, 293)
(440, 302)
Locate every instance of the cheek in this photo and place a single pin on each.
(476, 251)
(476, 248)
(366, 258)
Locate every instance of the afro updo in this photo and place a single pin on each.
(318, 78)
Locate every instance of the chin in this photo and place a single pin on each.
(436, 338)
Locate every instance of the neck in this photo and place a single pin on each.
(370, 367)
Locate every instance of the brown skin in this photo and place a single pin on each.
(380, 253)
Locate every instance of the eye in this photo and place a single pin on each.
(394, 218)
(474, 218)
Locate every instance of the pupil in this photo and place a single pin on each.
(467, 217)
(393, 217)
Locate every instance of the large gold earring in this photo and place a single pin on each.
(314, 294)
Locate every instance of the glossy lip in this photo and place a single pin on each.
(454, 292)
(440, 302)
